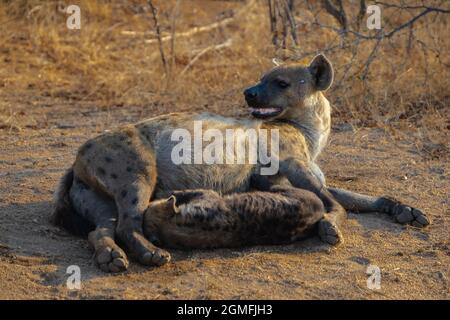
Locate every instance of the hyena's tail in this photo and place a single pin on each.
(64, 214)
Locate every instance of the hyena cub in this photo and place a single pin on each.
(203, 219)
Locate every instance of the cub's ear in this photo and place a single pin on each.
(322, 72)
(172, 205)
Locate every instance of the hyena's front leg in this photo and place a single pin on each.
(300, 176)
(401, 213)
(132, 200)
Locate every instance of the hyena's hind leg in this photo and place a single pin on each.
(359, 203)
(132, 201)
(102, 213)
(123, 165)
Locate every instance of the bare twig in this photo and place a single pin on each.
(271, 16)
(194, 30)
(207, 49)
(283, 23)
(361, 13)
(281, 17)
(288, 10)
(337, 13)
(403, 6)
(370, 59)
(205, 28)
(138, 33)
(402, 26)
(158, 34)
(172, 41)
(349, 65)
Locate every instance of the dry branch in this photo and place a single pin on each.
(370, 59)
(208, 27)
(361, 13)
(288, 10)
(172, 41)
(337, 13)
(282, 22)
(158, 34)
(354, 37)
(205, 50)
(402, 26)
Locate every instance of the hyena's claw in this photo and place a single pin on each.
(421, 219)
(158, 257)
(111, 259)
(143, 250)
(404, 214)
(329, 232)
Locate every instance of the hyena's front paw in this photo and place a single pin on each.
(110, 258)
(404, 214)
(329, 232)
(156, 257)
(148, 254)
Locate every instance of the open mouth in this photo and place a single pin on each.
(265, 112)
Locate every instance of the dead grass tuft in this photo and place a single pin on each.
(113, 60)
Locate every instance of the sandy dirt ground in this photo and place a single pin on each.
(34, 255)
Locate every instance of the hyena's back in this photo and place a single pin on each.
(204, 219)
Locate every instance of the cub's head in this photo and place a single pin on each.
(286, 88)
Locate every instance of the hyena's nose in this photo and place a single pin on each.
(250, 93)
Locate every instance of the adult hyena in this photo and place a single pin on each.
(133, 166)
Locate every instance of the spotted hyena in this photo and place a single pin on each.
(132, 167)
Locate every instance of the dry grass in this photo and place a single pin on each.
(58, 87)
(405, 90)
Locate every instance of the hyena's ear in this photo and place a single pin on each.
(186, 196)
(172, 204)
(322, 72)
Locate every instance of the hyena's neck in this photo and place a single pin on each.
(314, 123)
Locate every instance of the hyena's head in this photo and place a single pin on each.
(287, 89)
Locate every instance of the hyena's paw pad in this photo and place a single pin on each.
(329, 232)
(157, 257)
(405, 214)
(111, 259)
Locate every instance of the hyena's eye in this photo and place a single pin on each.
(282, 84)
(302, 81)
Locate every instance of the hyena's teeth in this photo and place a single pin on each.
(265, 110)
